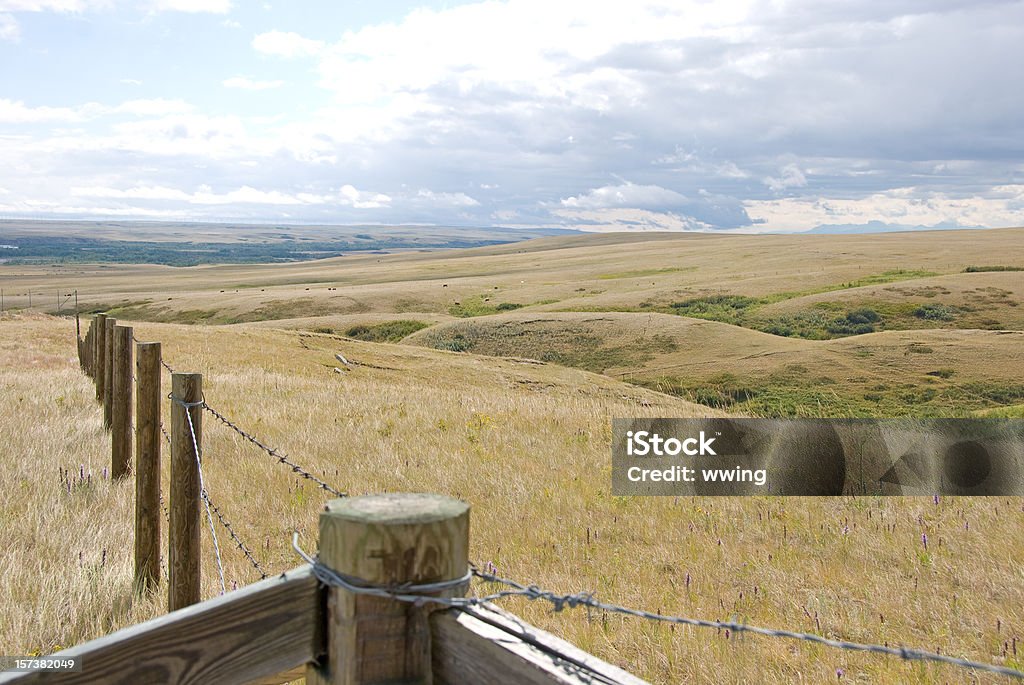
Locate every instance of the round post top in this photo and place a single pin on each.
(397, 508)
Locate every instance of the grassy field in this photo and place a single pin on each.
(522, 432)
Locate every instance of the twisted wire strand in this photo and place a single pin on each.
(202, 485)
(281, 458)
(588, 599)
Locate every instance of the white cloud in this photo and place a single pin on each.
(1002, 206)
(624, 219)
(17, 112)
(131, 82)
(9, 28)
(790, 177)
(53, 5)
(193, 6)
(152, 107)
(625, 195)
(203, 196)
(347, 196)
(362, 199)
(246, 83)
(432, 199)
(286, 44)
(135, 193)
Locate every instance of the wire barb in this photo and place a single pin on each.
(238, 542)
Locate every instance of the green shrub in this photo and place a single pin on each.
(935, 312)
(725, 308)
(855, 322)
(388, 331)
(862, 316)
(508, 306)
(456, 343)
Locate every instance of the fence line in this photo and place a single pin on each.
(273, 452)
(332, 571)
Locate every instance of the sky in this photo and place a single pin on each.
(746, 116)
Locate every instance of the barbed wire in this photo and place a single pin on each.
(238, 542)
(415, 594)
(202, 486)
(282, 458)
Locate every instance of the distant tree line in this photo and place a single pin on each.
(48, 249)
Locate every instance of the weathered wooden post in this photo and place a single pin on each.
(87, 348)
(147, 465)
(90, 350)
(183, 535)
(121, 404)
(108, 368)
(101, 358)
(80, 344)
(387, 540)
(90, 366)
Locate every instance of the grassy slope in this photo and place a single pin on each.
(527, 446)
(920, 372)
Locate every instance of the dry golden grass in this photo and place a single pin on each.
(528, 446)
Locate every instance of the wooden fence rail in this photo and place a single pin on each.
(291, 626)
(274, 626)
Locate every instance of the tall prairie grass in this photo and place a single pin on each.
(528, 446)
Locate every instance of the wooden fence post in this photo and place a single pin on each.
(108, 368)
(90, 350)
(383, 540)
(121, 404)
(183, 535)
(101, 359)
(83, 351)
(147, 466)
